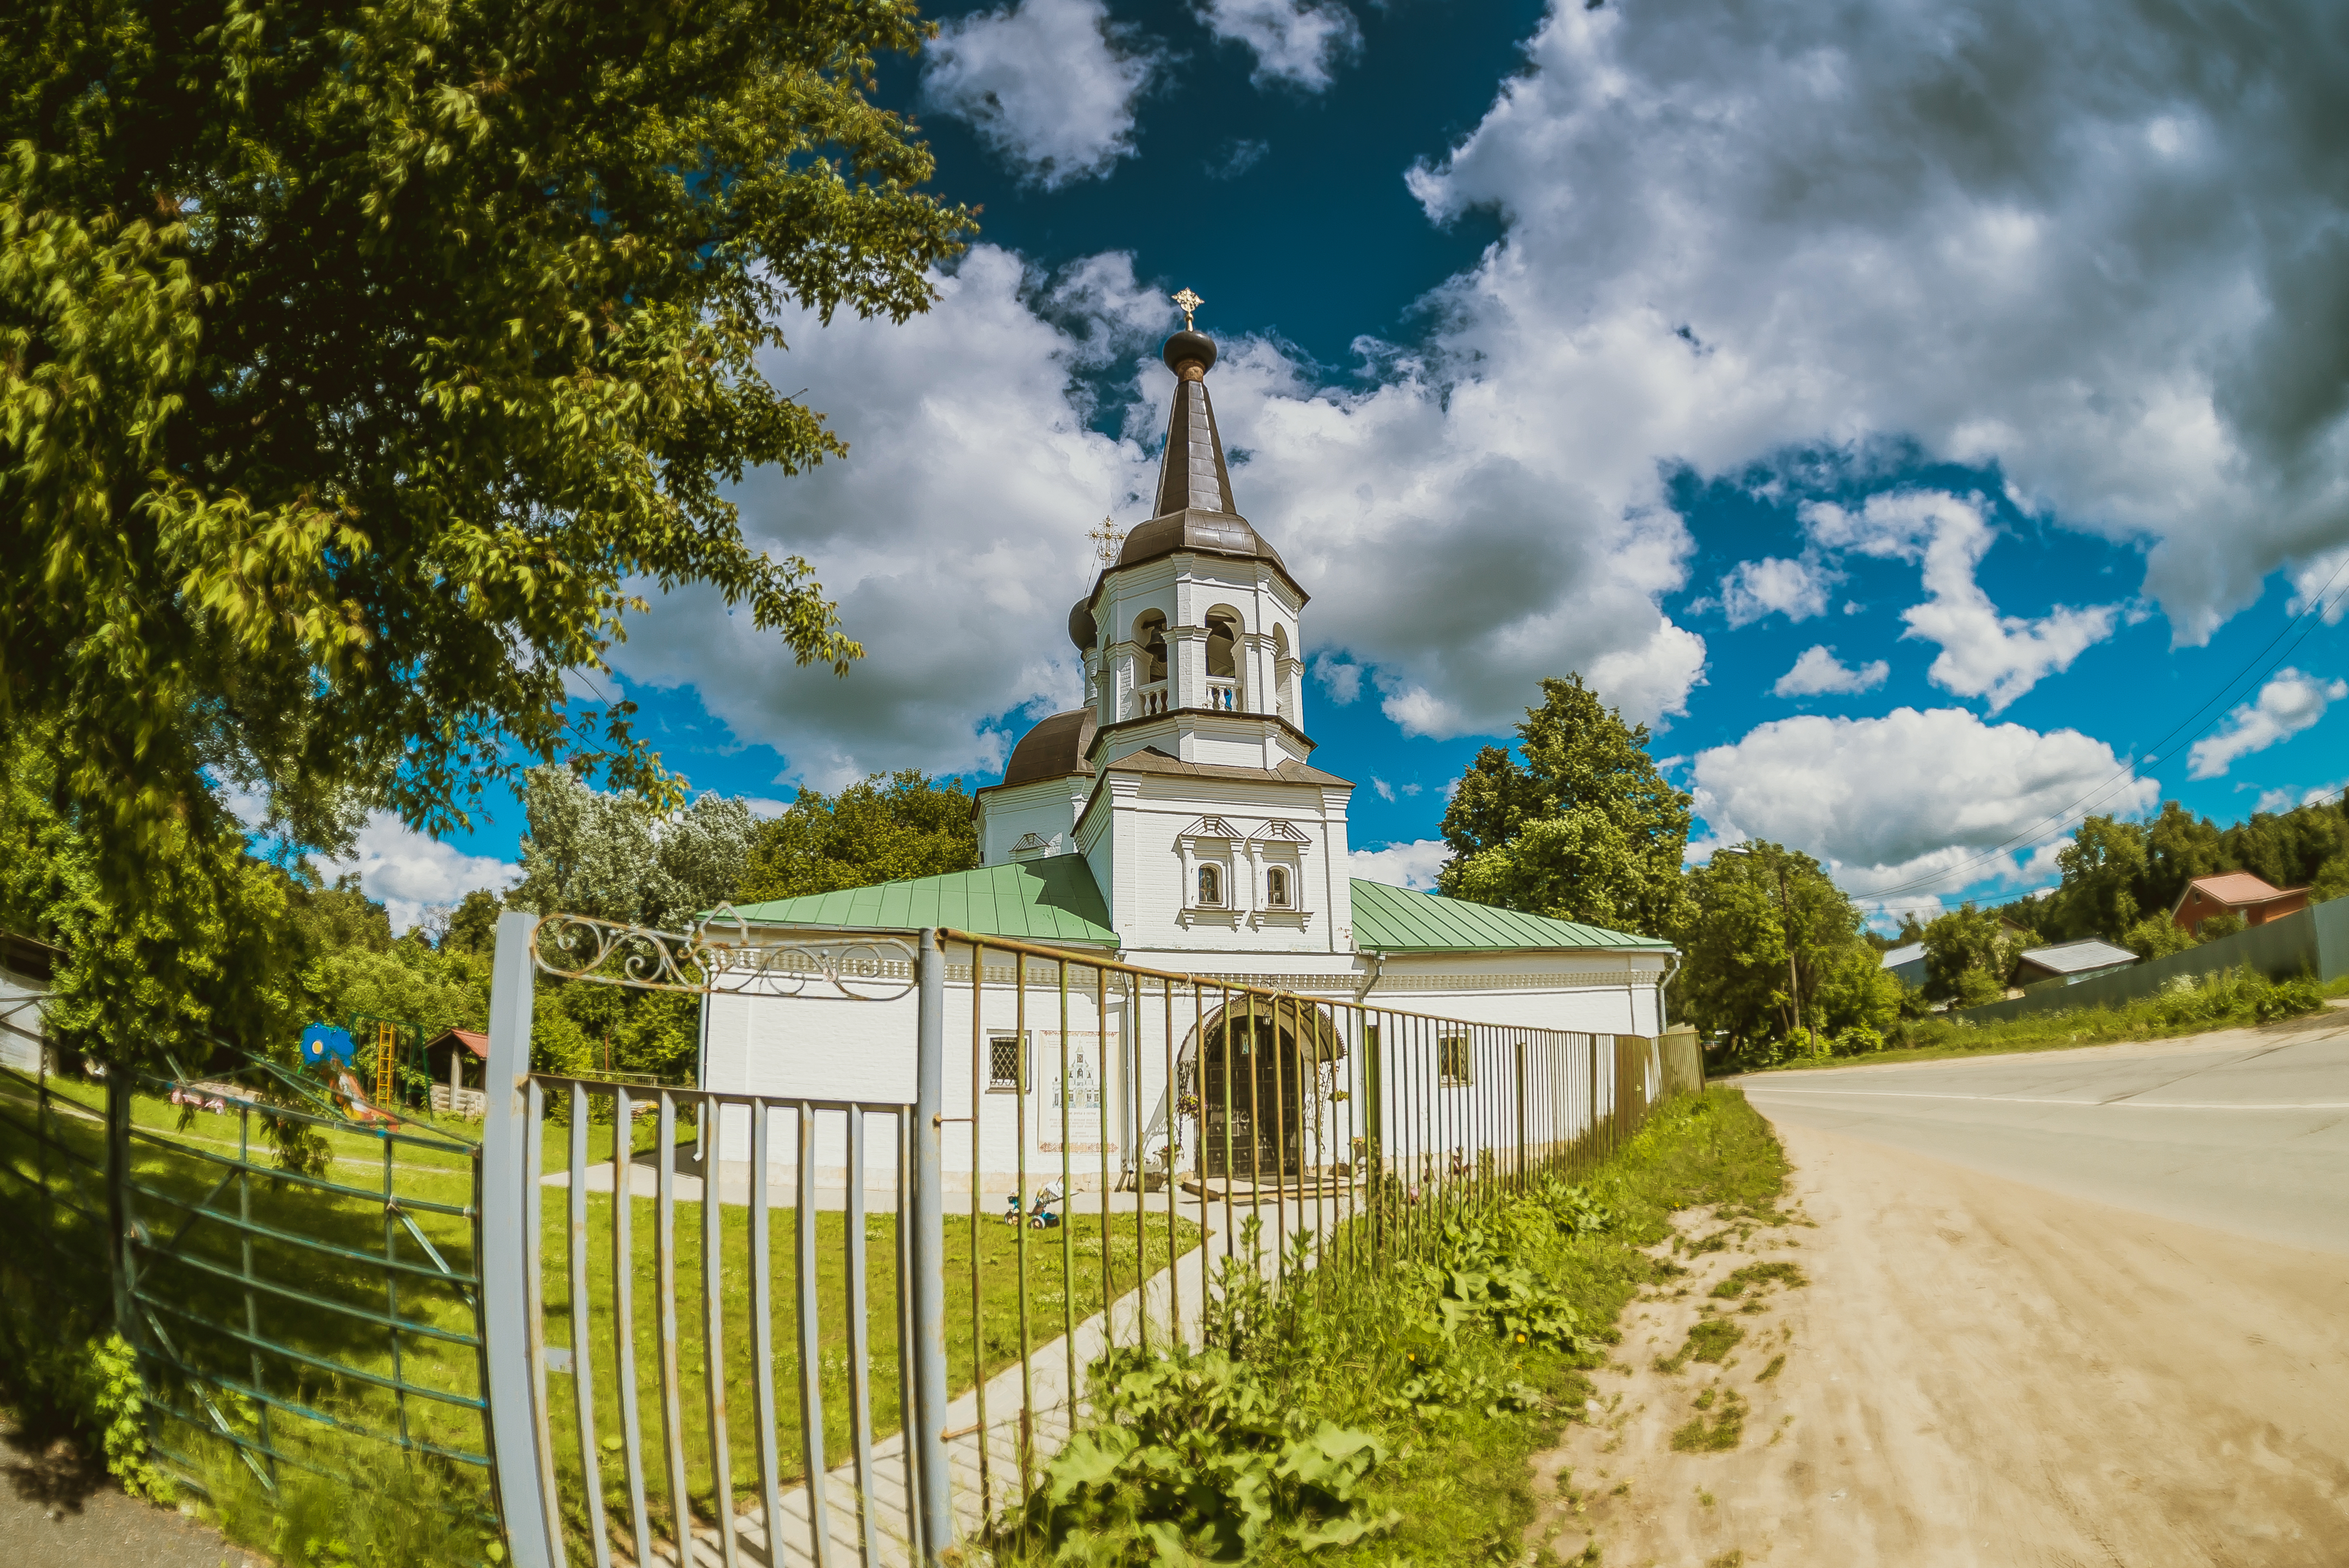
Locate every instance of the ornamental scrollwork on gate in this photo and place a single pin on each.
(719, 956)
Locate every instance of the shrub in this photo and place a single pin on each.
(1192, 1457)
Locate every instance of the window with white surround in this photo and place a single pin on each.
(1276, 887)
(1209, 886)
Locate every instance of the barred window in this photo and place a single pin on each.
(1276, 887)
(1211, 887)
(1453, 1061)
(1007, 1065)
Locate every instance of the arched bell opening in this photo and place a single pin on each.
(1256, 1078)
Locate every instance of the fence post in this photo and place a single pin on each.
(1522, 1178)
(506, 1187)
(930, 1347)
(119, 1256)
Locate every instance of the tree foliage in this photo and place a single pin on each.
(614, 855)
(1773, 951)
(2120, 878)
(359, 361)
(1583, 829)
(885, 828)
(1970, 954)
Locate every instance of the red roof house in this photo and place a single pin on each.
(2235, 893)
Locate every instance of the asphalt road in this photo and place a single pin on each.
(2244, 1131)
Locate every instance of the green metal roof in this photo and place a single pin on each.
(1049, 900)
(1055, 900)
(1397, 920)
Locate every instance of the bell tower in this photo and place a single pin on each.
(1191, 635)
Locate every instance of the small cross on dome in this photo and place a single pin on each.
(1186, 302)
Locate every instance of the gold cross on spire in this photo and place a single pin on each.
(1106, 540)
(1187, 301)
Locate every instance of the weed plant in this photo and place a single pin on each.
(1385, 1412)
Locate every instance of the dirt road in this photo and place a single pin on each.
(1977, 1372)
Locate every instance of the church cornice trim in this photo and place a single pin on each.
(1225, 715)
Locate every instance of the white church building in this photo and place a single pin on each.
(1178, 820)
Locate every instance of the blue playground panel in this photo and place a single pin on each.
(323, 1042)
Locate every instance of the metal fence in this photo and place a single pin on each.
(291, 1317)
(669, 1381)
(657, 1324)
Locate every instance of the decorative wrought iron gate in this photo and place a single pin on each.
(625, 1353)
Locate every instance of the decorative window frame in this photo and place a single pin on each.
(1211, 841)
(1031, 843)
(1282, 846)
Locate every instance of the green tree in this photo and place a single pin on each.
(208, 954)
(2156, 936)
(1773, 950)
(1583, 829)
(612, 855)
(473, 924)
(2179, 847)
(885, 828)
(1969, 942)
(357, 360)
(2103, 870)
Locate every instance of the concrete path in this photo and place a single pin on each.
(2245, 1130)
(59, 1512)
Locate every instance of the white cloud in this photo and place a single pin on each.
(1978, 227)
(1410, 865)
(953, 534)
(1238, 159)
(1983, 653)
(1977, 232)
(2289, 703)
(1301, 42)
(1819, 671)
(2321, 580)
(1386, 791)
(1046, 83)
(1341, 681)
(1889, 801)
(1795, 589)
(407, 872)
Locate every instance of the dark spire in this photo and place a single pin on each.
(1193, 475)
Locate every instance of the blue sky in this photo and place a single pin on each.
(1915, 418)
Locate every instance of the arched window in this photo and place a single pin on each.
(1150, 635)
(1223, 638)
(1211, 887)
(1276, 887)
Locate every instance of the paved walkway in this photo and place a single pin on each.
(57, 1512)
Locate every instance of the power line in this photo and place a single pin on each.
(2307, 621)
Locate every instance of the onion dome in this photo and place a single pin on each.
(1056, 748)
(1082, 630)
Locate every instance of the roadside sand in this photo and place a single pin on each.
(1979, 1372)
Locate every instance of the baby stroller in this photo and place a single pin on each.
(1042, 1217)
